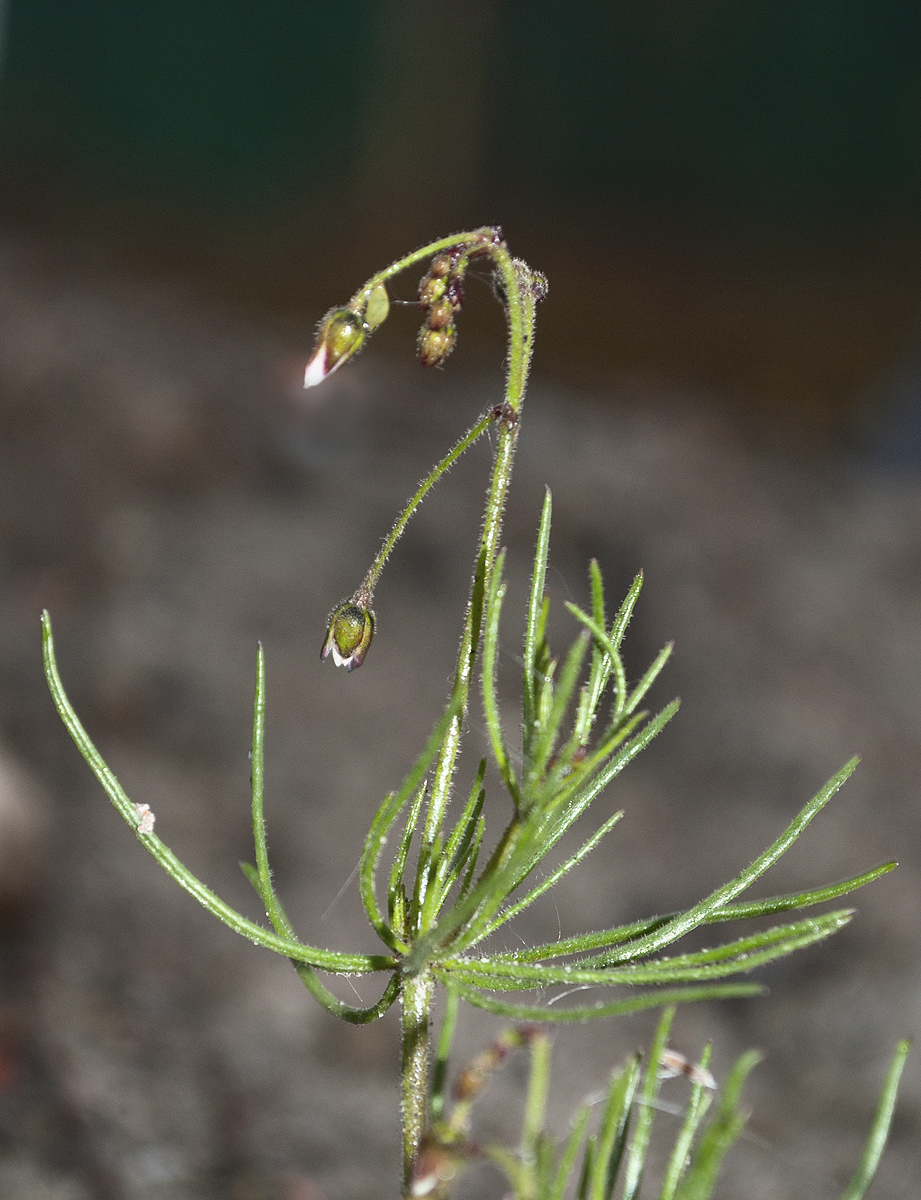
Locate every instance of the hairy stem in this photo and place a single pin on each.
(364, 594)
(417, 993)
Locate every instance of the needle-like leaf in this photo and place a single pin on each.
(327, 960)
(536, 619)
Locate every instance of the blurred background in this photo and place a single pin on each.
(726, 198)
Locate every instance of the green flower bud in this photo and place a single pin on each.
(351, 629)
(341, 335)
(434, 345)
(431, 291)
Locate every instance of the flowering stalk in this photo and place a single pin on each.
(522, 289)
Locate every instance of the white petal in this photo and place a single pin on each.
(316, 370)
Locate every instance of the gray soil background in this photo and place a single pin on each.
(171, 496)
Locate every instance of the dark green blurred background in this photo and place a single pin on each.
(724, 192)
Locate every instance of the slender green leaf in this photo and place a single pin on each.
(493, 615)
(618, 629)
(396, 890)
(523, 846)
(457, 848)
(743, 949)
(273, 908)
(443, 1053)
(744, 955)
(596, 583)
(607, 644)
(545, 835)
(253, 876)
(327, 960)
(720, 1135)
(598, 674)
(796, 900)
(684, 922)
(388, 813)
(612, 1131)
(375, 842)
(879, 1131)
(698, 1104)
(545, 1158)
(611, 1008)
(535, 1111)
(649, 678)
(472, 857)
(472, 913)
(570, 1154)
(346, 1012)
(533, 635)
(544, 744)
(625, 612)
(544, 695)
(546, 884)
(582, 943)
(645, 1110)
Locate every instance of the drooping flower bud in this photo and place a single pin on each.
(341, 334)
(343, 331)
(351, 629)
(434, 345)
(431, 291)
(440, 313)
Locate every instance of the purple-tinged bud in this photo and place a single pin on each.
(441, 266)
(456, 294)
(539, 286)
(440, 314)
(341, 335)
(434, 345)
(351, 629)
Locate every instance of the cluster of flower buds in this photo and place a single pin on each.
(349, 634)
(343, 331)
(440, 298)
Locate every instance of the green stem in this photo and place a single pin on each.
(364, 594)
(417, 993)
(470, 637)
(474, 239)
(521, 291)
(521, 294)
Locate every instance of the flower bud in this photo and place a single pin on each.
(441, 266)
(431, 290)
(434, 345)
(440, 314)
(351, 629)
(341, 334)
